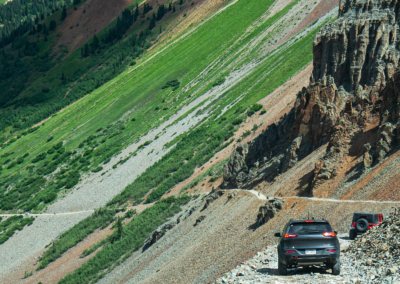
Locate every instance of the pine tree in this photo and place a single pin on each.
(173, 9)
(152, 23)
(119, 229)
(160, 12)
(52, 25)
(95, 44)
(86, 52)
(63, 14)
(33, 30)
(45, 31)
(136, 12)
(110, 36)
(82, 55)
(119, 28)
(180, 2)
(169, 7)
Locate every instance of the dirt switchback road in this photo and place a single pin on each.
(139, 208)
(263, 197)
(48, 214)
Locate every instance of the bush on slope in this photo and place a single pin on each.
(133, 236)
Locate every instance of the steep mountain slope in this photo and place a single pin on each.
(348, 108)
(322, 154)
(226, 237)
(144, 134)
(212, 74)
(56, 60)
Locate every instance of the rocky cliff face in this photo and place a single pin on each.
(354, 85)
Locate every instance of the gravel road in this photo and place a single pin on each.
(263, 197)
(263, 268)
(49, 214)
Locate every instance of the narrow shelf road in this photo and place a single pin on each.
(261, 196)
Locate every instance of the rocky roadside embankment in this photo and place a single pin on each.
(375, 256)
(372, 258)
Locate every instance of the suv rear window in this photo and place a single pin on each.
(369, 217)
(309, 228)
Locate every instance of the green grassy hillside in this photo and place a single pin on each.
(38, 79)
(86, 135)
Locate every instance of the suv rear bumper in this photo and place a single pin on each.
(296, 259)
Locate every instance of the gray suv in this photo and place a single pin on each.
(307, 243)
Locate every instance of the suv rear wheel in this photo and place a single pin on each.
(336, 268)
(282, 268)
(352, 234)
(362, 225)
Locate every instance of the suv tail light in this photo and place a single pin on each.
(353, 225)
(331, 250)
(329, 234)
(290, 251)
(287, 235)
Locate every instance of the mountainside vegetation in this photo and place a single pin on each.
(130, 239)
(75, 152)
(37, 79)
(19, 17)
(12, 224)
(76, 75)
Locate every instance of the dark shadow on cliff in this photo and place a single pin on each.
(304, 189)
(360, 139)
(356, 150)
(355, 172)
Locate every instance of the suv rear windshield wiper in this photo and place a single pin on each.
(315, 232)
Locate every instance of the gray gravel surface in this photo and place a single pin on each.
(263, 268)
(32, 239)
(376, 254)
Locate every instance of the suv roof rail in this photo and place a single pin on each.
(312, 218)
(292, 219)
(323, 218)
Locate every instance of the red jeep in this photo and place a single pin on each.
(362, 222)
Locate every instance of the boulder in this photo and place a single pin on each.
(269, 211)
